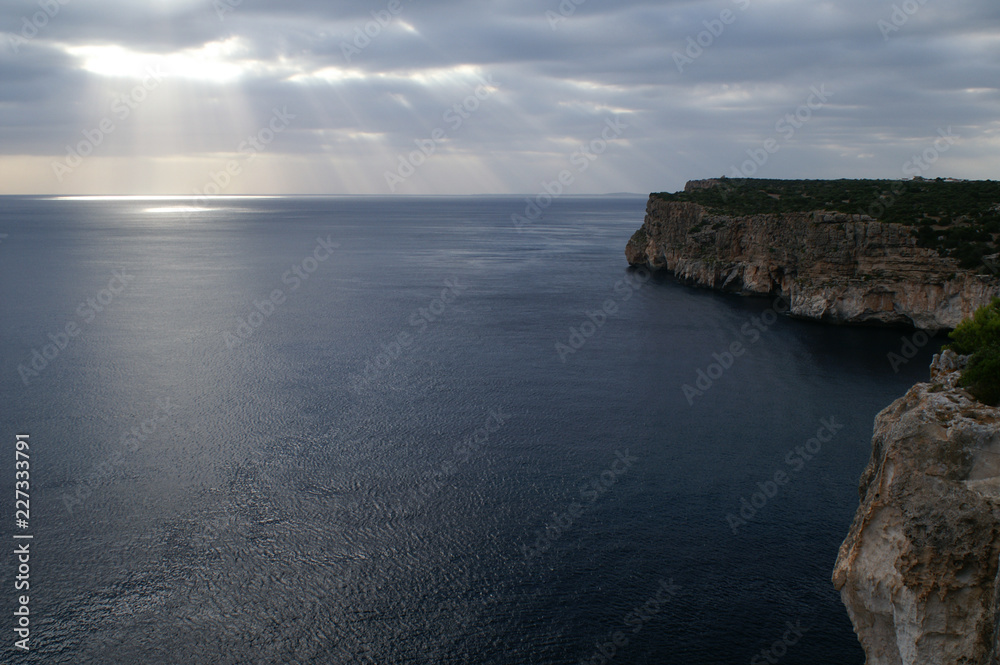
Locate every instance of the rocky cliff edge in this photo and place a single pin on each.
(918, 569)
(832, 267)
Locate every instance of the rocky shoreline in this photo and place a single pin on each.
(833, 267)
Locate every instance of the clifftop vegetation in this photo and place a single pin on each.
(957, 218)
(980, 337)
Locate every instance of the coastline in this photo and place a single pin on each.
(832, 267)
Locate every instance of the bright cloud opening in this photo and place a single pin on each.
(220, 61)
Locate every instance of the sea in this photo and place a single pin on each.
(414, 430)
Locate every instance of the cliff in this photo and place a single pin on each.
(918, 569)
(832, 266)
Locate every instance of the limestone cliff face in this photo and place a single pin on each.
(832, 266)
(918, 569)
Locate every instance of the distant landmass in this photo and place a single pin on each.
(920, 253)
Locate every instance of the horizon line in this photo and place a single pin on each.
(223, 197)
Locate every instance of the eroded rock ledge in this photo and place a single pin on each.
(832, 266)
(918, 569)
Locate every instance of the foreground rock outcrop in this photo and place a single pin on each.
(837, 267)
(918, 569)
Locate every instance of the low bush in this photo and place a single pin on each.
(979, 337)
(982, 376)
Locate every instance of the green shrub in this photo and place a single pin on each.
(982, 375)
(980, 337)
(978, 332)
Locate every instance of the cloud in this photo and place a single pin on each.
(367, 81)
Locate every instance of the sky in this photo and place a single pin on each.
(441, 97)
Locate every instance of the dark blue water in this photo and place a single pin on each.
(391, 461)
